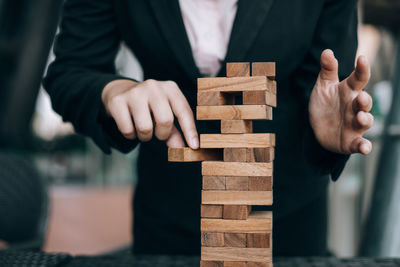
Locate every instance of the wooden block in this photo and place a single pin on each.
(259, 98)
(271, 85)
(235, 154)
(235, 264)
(186, 154)
(219, 168)
(263, 69)
(236, 197)
(233, 84)
(214, 99)
(237, 183)
(263, 154)
(211, 264)
(214, 183)
(259, 240)
(211, 211)
(260, 183)
(259, 264)
(212, 239)
(236, 212)
(236, 240)
(236, 254)
(238, 69)
(236, 140)
(234, 112)
(257, 222)
(236, 126)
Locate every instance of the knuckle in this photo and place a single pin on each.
(145, 130)
(165, 121)
(150, 83)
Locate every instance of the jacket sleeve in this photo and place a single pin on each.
(337, 30)
(85, 50)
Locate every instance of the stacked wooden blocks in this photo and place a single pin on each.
(236, 167)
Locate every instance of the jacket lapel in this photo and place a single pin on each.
(170, 21)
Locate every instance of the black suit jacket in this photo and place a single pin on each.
(292, 33)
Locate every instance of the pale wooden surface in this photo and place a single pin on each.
(237, 69)
(236, 254)
(263, 69)
(186, 154)
(220, 168)
(236, 126)
(234, 84)
(234, 112)
(237, 140)
(89, 221)
(237, 197)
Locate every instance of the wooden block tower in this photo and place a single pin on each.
(236, 167)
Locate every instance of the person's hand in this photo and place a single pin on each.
(339, 111)
(141, 109)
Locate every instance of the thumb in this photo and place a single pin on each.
(175, 139)
(329, 66)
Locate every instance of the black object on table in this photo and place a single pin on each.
(19, 258)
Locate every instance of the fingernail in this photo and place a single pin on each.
(195, 142)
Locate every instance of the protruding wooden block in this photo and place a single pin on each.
(211, 211)
(263, 69)
(186, 154)
(259, 98)
(259, 264)
(237, 140)
(259, 240)
(214, 183)
(211, 263)
(260, 183)
(214, 99)
(236, 126)
(238, 69)
(235, 240)
(236, 212)
(234, 84)
(257, 222)
(237, 183)
(236, 254)
(235, 264)
(212, 239)
(236, 197)
(234, 112)
(219, 168)
(264, 154)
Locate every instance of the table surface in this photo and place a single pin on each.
(33, 259)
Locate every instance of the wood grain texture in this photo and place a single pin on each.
(236, 240)
(211, 264)
(236, 197)
(219, 168)
(186, 154)
(264, 154)
(233, 84)
(259, 98)
(237, 140)
(259, 240)
(234, 112)
(257, 222)
(236, 254)
(214, 182)
(263, 69)
(212, 239)
(260, 183)
(236, 126)
(237, 69)
(237, 183)
(211, 211)
(236, 212)
(214, 99)
(235, 154)
(235, 264)
(259, 264)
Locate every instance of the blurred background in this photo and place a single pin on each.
(76, 199)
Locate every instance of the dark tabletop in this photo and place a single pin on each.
(36, 259)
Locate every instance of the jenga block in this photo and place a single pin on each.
(257, 222)
(263, 69)
(233, 84)
(237, 69)
(212, 239)
(236, 212)
(211, 264)
(214, 98)
(235, 154)
(235, 240)
(235, 264)
(236, 254)
(259, 98)
(234, 112)
(264, 154)
(259, 240)
(259, 264)
(260, 183)
(237, 183)
(236, 197)
(211, 211)
(214, 182)
(237, 140)
(236, 126)
(186, 154)
(219, 168)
